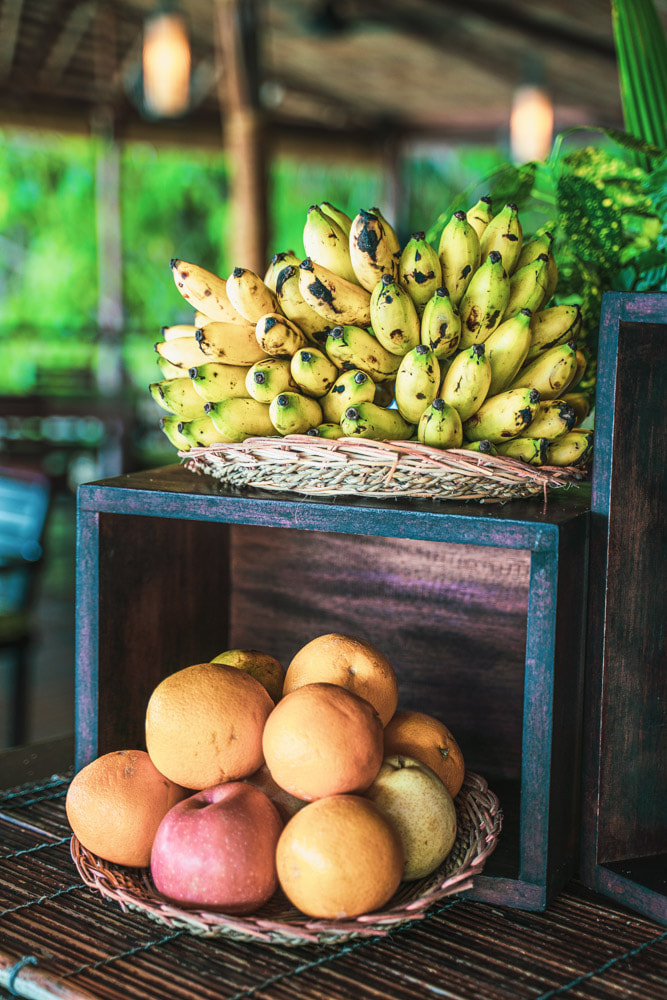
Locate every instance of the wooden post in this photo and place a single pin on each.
(243, 130)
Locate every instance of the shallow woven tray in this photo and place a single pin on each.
(357, 466)
(479, 822)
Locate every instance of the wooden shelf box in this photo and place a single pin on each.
(479, 607)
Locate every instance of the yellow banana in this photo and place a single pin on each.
(574, 448)
(338, 215)
(504, 234)
(417, 382)
(313, 372)
(183, 352)
(533, 451)
(295, 308)
(350, 388)
(229, 344)
(179, 330)
(466, 384)
(484, 303)
(480, 215)
(440, 325)
(553, 418)
(503, 416)
(214, 381)
(550, 373)
(580, 403)
(371, 250)
(204, 291)
(394, 317)
(201, 319)
(552, 327)
(440, 426)
(552, 277)
(390, 234)
(326, 243)
(238, 419)
(269, 377)
(578, 371)
(278, 336)
(170, 427)
(419, 270)
(532, 249)
(326, 430)
(201, 433)
(249, 295)
(279, 261)
(332, 297)
(506, 350)
(527, 287)
(459, 255)
(292, 413)
(178, 395)
(351, 347)
(484, 446)
(168, 370)
(367, 420)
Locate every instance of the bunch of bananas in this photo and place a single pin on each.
(455, 348)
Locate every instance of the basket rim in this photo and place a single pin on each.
(132, 888)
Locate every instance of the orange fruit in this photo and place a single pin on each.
(322, 740)
(263, 667)
(351, 663)
(339, 857)
(204, 725)
(418, 735)
(116, 803)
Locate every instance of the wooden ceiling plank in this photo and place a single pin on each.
(10, 19)
(66, 44)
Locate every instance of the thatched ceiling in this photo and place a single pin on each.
(431, 68)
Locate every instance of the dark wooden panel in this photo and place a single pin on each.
(451, 618)
(163, 604)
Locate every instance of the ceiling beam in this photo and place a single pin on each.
(10, 19)
(66, 43)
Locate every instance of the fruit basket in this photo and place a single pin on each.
(278, 922)
(353, 466)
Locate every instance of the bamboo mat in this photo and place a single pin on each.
(59, 940)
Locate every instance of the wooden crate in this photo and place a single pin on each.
(479, 607)
(625, 801)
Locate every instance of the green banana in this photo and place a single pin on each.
(295, 308)
(214, 381)
(533, 451)
(459, 255)
(417, 382)
(326, 243)
(503, 416)
(350, 388)
(229, 344)
(440, 325)
(552, 327)
(574, 448)
(506, 350)
(201, 432)
(183, 352)
(367, 420)
(313, 372)
(249, 295)
(580, 403)
(292, 413)
(178, 395)
(167, 370)
(419, 270)
(269, 377)
(554, 417)
(504, 234)
(170, 426)
(550, 373)
(238, 419)
(179, 330)
(372, 250)
(528, 287)
(440, 426)
(351, 347)
(334, 298)
(484, 446)
(279, 261)
(484, 303)
(394, 317)
(204, 291)
(467, 381)
(278, 336)
(480, 215)
(326, 430)
(338, 215)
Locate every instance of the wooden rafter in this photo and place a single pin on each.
(67, 42)
(10, 20)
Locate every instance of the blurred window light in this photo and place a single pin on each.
(166, 65)
(531, 124)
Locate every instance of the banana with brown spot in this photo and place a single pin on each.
(249, 295)
(485, 301)
(394, 317)
(204, 291)
(335, 299)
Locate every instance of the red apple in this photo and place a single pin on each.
(217, 849)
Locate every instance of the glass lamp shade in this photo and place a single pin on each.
(166, 65)
(531, 124)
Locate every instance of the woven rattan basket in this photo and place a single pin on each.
(360, 467)
(479, 823)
